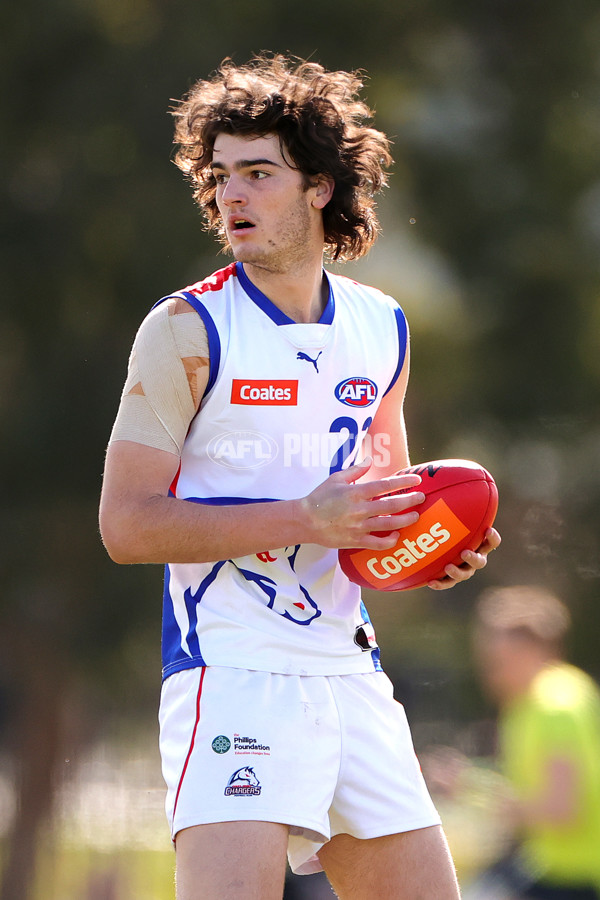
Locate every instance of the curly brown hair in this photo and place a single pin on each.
(318, 119)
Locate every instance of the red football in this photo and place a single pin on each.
(461, 500)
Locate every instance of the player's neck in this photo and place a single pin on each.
(302, 295)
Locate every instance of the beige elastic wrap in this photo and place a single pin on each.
(167, 369)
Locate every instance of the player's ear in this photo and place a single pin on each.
(323, 192)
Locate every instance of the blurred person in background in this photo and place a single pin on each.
(549, 746)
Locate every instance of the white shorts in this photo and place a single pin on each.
(324, 755)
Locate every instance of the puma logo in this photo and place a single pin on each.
(302, 355)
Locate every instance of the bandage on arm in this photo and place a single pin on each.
(168, 370)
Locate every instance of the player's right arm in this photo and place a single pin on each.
(141, 522)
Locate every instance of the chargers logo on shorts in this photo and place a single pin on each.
(243, 783)
(356, 391)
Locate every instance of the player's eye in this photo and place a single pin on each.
(258, 174)
(220, 177)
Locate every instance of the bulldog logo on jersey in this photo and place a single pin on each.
(288, 598)
(356, 391)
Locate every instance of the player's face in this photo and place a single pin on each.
(270, 220)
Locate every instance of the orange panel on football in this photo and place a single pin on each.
(437, 531)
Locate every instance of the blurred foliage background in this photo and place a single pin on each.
(491, 244)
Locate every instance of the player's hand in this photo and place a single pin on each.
(343, 512)
(473, 561)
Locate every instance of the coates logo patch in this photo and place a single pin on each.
(264, 392)
(243, 783)
(356, 391)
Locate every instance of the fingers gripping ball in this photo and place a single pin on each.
(461, 501)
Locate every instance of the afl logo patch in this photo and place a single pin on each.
(242, 449)
(356, 391)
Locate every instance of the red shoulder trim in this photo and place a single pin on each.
(214, 282)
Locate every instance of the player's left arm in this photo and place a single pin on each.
(388, 447)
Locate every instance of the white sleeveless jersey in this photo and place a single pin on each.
(286, 405)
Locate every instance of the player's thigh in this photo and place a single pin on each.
(230, 860)
(413, 865)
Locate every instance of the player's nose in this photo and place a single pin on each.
(233, 191)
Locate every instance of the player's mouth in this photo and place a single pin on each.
(240, 225)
